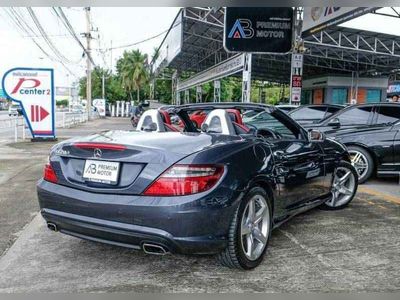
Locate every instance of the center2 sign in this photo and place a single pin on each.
(258, 29)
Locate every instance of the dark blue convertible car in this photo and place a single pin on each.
(169, 187)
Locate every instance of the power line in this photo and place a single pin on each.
(24, 28)
(46, 38)
(71, 30)
(145, 40)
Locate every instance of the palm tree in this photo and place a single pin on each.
(133, 69)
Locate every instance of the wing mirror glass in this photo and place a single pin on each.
(335, 122)
(316, 136)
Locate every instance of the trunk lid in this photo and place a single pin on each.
(142, 157)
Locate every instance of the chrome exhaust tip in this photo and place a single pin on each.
(154, 249)
(52, 226)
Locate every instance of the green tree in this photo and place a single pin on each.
(113, 86)
(132, 68)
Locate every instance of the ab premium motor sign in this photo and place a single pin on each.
(33, 89)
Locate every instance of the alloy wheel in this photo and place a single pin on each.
(360, 162)
(255, 226)
(344, 184)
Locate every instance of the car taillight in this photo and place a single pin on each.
(49, 174)
(181, 180)
(102, 146)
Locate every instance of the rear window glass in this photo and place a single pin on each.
(355, 116)
(388, 115)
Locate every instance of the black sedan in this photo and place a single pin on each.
(221, 189)
(314, 113)
(372, 134)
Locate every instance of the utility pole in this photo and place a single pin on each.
(88, 63)
(103, 89)
(111, 58)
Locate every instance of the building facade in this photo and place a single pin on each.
(343, 90)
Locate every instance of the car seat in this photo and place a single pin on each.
(237, 121)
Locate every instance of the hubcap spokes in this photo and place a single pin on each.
(360, 162)
(255, 227)
(342, 187)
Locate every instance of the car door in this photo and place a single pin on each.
(354, 116)
(386, 145)
(396, 147)
(298, 164)
(299, 171)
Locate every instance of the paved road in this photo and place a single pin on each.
(3, 114)
(7, 130)
(351, 250)
(21, 166)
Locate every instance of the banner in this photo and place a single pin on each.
(258, 29)
(33, 89)
(316, 19)
(296, 78)
(100, 105)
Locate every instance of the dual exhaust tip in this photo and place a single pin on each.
(148, 248)
(52, 226)
(154, 249)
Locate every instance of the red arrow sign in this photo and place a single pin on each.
(38, 113)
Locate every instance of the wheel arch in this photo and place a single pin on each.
(266, 186)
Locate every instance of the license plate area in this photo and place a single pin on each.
(101, 171)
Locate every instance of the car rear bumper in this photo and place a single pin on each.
(186, 228)
(130, 236)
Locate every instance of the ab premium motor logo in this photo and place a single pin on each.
(242, 29)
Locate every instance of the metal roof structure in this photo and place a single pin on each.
(338, 50)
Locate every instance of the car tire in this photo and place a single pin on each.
(363, 158)
(343, 191)
(235, 256)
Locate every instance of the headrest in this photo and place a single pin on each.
(148, 117)
(218, 121)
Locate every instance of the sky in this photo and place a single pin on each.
(119, 26)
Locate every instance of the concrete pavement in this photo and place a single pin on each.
(21, 165)
(355, 249)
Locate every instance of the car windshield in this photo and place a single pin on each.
(309, 113)
(268, 121)
(250, 113)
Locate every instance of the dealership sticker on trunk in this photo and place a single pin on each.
(101, 171)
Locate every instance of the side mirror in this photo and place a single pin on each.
(335, 122)
(315, 136)
(150, 127)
